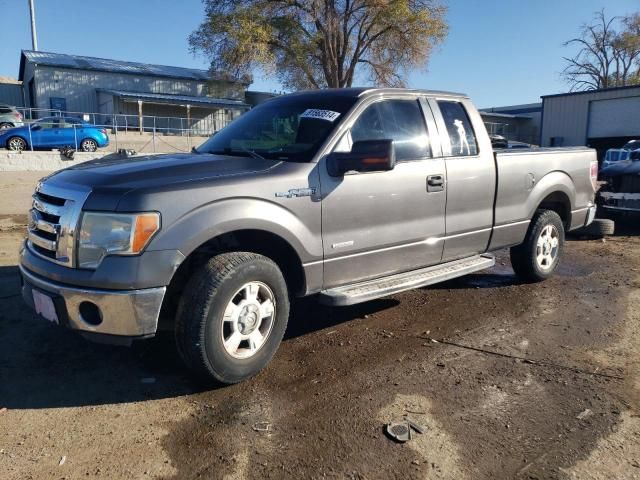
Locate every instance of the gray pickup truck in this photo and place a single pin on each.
(347, 194)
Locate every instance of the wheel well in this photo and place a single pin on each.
(558, 202)
(255, 241)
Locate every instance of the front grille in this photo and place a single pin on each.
(52, 223)
(629, 184)
(44, 225)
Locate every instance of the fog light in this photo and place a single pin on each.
(90, 313)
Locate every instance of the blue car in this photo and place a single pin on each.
(55, 132)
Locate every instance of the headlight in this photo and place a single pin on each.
(103, 234)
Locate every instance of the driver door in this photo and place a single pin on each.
(43, 135)
(379, 223)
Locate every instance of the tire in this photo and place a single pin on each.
(88, 145)
(599, 228)
(538, 256)
(16, 144)
(208, 327)
(5, 125)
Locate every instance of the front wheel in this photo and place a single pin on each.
(88, 145)
(232, 316)
(538, 256)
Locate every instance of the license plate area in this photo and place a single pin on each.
(44, 306)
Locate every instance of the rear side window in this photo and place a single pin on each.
(398, 120)
(461, 135)
(5, 110)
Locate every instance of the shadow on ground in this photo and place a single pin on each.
(44, 366)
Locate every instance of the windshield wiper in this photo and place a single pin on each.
(253, 153)
(229, 151)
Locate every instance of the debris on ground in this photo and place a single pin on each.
(584, 414)
(261, 427)
(3, 409)
(62, 460)
(401, 431)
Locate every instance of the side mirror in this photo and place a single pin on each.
(365, 156)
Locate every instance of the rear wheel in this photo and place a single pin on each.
(16, 144)
(538, 256)
(232, 316)
(88, 145)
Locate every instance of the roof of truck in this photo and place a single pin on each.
(355, 92)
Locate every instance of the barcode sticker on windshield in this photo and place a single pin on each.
(328, 115)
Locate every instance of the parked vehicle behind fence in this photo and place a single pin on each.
(9, 117)
(55, 132)
(347, 194)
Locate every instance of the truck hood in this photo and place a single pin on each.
(157, 170)
(110, 179)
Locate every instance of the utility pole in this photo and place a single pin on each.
(34, 35)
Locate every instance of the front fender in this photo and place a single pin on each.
(223, 216)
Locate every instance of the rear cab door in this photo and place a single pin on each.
(471, 176)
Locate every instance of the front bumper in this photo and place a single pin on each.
(122, 313)
(624, 202)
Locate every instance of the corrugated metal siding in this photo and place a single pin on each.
(11, 94)
(567, 117)
(79, 87)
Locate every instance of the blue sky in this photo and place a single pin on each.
(500, 52)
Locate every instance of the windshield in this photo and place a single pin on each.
(285, 128)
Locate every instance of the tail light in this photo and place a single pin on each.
(18, 115)
(103, 131)
(594, 174)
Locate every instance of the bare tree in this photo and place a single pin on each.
(320, 43)
(608, 55)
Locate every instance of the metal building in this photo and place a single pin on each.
(11, 92)
(73, 83)
(601, 119)
(514, 122)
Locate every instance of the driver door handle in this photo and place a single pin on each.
(435, 183)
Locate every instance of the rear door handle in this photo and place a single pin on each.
(435, 183)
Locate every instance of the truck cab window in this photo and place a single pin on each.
(398, 120)
(459, 128)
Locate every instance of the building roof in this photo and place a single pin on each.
(503, 115)
(585, 92)
(516, 109)
(79, 62)
(176, 99)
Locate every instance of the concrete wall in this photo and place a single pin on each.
(43, 161)
(566, 117)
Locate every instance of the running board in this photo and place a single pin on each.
(381, 287)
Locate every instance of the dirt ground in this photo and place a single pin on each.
(522, 381)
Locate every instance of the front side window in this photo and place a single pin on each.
(459, 128)
(48, 123)
(398, 120)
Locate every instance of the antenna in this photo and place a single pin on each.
(34, 35)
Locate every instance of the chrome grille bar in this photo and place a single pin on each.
(47, 208)
(50, 245)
